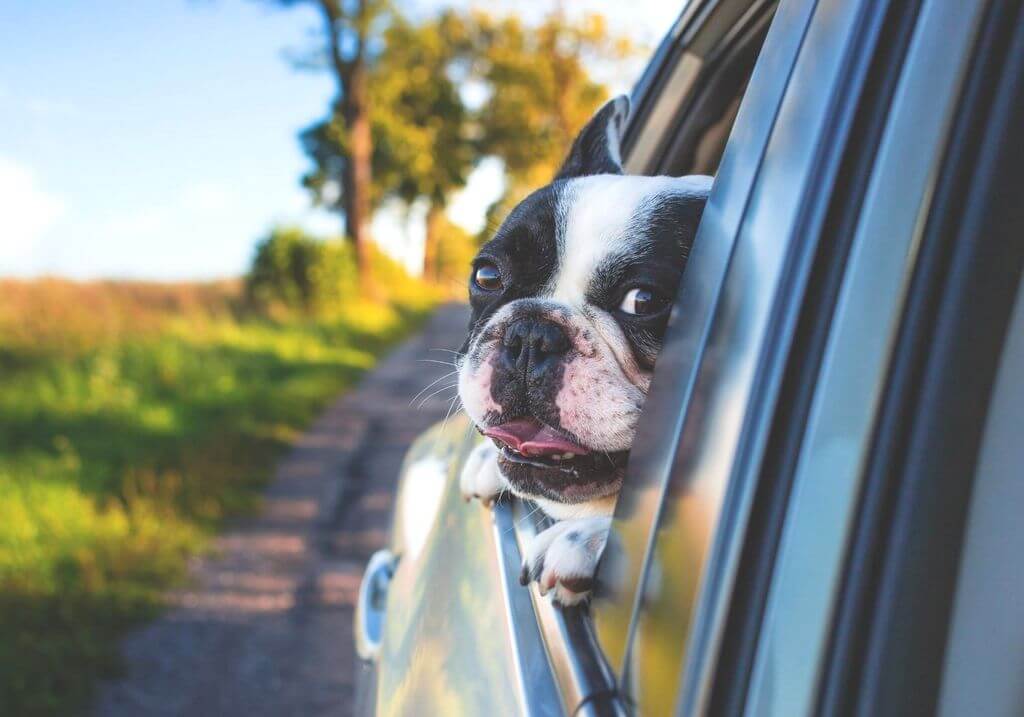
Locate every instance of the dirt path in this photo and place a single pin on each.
(266, 627)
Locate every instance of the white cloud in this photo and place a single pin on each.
(27, 211)
(142, 222)
(207, 197)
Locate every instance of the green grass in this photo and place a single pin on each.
(122, 450)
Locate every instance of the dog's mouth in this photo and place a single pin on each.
(526, 441)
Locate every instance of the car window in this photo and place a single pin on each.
(679, 125)
(767, 210)
(986, 644)
(835, 446)
(657, 453)
(728, 416)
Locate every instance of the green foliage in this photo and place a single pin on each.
(421, 128)
(542, 92)
(423, 133)
(123, 449)
(296, 271)
(426, 137)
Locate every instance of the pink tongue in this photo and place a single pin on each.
(532, 438)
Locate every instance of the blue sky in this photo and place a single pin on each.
(157, 139)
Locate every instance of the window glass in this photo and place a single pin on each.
(698, 145)
(986, 644)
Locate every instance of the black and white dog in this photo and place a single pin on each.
(570, 301)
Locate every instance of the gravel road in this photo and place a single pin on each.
(265, 626)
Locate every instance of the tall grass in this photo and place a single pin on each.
(133, 419)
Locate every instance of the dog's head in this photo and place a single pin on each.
(570, 301)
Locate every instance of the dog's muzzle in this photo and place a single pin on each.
(533, 347)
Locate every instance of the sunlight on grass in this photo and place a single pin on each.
(133, 419)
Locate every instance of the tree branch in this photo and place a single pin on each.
(333, 18)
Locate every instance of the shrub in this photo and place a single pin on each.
(298, 272)
(134, 418)
(293, 272)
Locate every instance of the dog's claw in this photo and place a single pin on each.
(563, 558)
(578, 585)
(481, 479)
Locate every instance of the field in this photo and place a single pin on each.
(134, 418)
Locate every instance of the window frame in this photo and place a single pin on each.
(902, 572)
(850, 385)
(585, 681)
(728, 219)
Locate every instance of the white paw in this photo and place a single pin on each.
(563, 558)
(481, 477)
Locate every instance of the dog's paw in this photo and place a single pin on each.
(563, 558)
(481, 477)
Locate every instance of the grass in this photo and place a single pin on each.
(134, 418)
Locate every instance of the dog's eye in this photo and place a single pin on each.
(487, 277)
(641, 302)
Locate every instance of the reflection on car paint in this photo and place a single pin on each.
(446, 618)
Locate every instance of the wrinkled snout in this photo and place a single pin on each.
(554, 366)
(533, 348)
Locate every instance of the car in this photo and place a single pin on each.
(821, 511)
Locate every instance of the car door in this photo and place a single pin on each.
(736, 533)
(443, 622)
(717, 594)
(683, 517)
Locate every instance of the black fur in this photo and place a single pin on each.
(648, 253)
(524, 249)
(591, 153)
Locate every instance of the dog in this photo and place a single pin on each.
(570, 301)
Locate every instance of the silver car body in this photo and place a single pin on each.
(458, 635)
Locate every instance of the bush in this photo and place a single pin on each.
(135, 418)
(296, 271)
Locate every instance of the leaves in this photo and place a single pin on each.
(446, 91)
(542, 91)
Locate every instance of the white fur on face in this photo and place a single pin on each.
(600, 220)
(598, 215)
(603, 388)
(475, 388)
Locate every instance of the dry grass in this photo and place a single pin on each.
(133, 419)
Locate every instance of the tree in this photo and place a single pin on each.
(344, 142)
(423, 137)
(541, 92)
(295, 271)
(423, 146)
(420, 127)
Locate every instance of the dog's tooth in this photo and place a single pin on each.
(569, 455)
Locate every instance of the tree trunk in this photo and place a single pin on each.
(351, 76)
(356, 189)
(432, 242)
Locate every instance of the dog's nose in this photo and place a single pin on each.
(533, 346)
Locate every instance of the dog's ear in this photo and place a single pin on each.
(596, 149)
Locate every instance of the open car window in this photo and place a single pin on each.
(682, 519)
(684, 109)
(692, 142)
